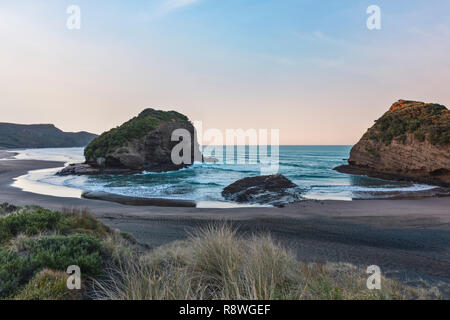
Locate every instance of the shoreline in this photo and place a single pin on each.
(13, 168)
(358, 170)
(30, 182)
(4, 154)
(409, 239)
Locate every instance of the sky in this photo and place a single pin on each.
(311, 69)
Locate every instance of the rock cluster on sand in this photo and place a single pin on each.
(409, 142)
(144, 143)
(275, 190)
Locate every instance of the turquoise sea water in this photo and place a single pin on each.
(310, 167)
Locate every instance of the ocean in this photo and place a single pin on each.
(310, 167)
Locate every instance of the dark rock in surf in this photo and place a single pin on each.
(210, 160)
(274, 190)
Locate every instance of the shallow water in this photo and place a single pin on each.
(310, 167)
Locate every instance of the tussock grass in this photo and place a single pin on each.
(81, 221)
(215, 263)
(48, 285)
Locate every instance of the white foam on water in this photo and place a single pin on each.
(45, 181)
(66, 155)
(311, 169)
(32, 182)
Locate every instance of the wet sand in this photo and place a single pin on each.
(408, 239)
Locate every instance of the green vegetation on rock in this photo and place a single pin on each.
(139, 126)
(372, 151)
(425, 121)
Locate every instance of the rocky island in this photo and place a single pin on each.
(143, 143)
(411, 141)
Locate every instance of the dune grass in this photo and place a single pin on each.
(48, 285)
(37, 246)
(215, 263)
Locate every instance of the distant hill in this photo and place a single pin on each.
(41, 136)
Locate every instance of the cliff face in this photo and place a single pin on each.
(140, 144)
(41, 136)
(409, 142)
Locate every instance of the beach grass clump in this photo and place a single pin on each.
(215, 263)
(81, 221)
(48, 285)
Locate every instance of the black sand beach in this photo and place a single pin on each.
(408, 239)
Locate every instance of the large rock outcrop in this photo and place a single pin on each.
(409, 142)
(274, 190)
(144, 143)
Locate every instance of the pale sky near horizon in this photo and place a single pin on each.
(309, 68)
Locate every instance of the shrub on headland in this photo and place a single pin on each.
(38, 245)
(147, 120)
(425, 121)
